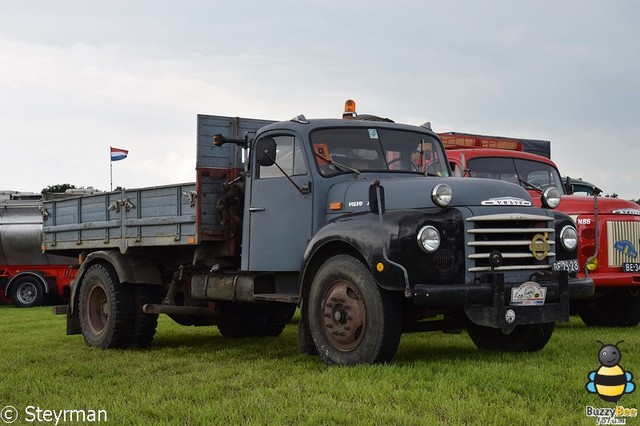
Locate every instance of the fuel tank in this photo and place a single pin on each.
(21, 235)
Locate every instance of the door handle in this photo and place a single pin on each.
(256, 209)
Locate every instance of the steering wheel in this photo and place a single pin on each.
(414, 167)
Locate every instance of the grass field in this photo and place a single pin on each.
(194, 376)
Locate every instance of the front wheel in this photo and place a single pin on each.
(106, 309)
(352, 320)
(27, 292)
(523, 338)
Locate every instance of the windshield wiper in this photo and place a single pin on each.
(342, 167)
(529, 185)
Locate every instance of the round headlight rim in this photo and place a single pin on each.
(562, 237)
(442, 194)
(421, 245)
(551, 197)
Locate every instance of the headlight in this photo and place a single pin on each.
(551, 197)
(441, 194)
(569, 237)
(428, 239)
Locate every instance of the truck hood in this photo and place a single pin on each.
(581, 204)
(415, 192)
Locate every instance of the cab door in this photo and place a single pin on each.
(279, 207)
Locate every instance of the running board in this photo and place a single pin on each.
(150, 308)
(282, 298)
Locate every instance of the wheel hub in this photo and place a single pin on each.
(97, 310)
(26, 293)
(343, 315)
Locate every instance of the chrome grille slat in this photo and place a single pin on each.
(507, 255)
(503, 243)
(512, 235)
(509, 268)
(510, 230)
(510, 217)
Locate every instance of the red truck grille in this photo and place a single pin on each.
(623, 241)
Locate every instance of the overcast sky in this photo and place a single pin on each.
(78, 76)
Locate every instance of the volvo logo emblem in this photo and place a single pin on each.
(539, 246)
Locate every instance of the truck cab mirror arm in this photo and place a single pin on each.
(219, 140)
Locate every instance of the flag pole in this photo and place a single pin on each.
(115, 154)
(110, 170)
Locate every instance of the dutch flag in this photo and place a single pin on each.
(118, 154)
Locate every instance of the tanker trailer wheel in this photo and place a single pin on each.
(106, 309)
(618, 308)
(351, 319)
(27, 292)
(524, 338)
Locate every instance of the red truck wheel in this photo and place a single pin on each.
(352, 320)
(106, 309)
(524, 338)
(27, 292)
(617, 308)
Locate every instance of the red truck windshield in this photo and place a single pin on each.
(375, 149)
(529, 174)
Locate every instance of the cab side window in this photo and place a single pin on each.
(288, 156)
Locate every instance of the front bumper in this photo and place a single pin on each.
(488, 303)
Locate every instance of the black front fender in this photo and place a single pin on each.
(359, 234)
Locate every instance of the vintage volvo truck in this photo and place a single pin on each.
(334, 216)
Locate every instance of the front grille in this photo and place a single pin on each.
(622, 242)
(514, 235)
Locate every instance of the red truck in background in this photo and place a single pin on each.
(608, 228)
(27, 276)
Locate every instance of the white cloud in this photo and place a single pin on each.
(76, 78)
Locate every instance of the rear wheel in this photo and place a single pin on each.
(351, 319)
(617, 308)
(27, 292)
(253, 319)
(144, 325)
(106, 309)
(523, 338)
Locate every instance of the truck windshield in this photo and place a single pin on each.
(358, 150)
(526, 173)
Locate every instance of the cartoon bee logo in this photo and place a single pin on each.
(610, 381)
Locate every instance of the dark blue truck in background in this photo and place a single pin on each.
(354, 221)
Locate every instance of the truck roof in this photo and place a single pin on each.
(495, 152)
(339, 122)
(468, 140)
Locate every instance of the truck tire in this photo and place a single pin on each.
(144, 325)
(524, 338)
(618, 308)
(253, 319)
(352, 320)
(106, 309)
(27, 292)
